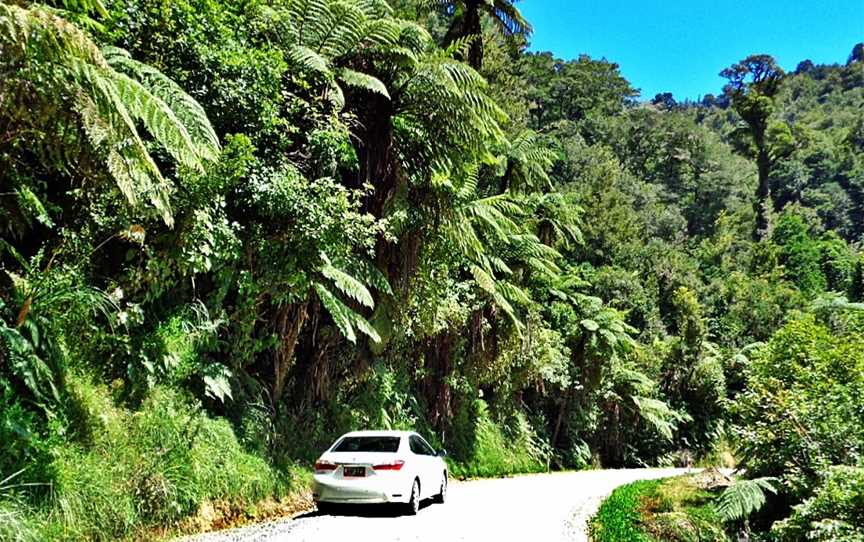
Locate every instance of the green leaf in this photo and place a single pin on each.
(217, 381)
(28, 200)
(309, 59)
(342, 315)
(590, 325)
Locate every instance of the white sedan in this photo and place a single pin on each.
(380, 467)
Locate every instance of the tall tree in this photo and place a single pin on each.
(857, 54)
(467, 21)
(753, 85)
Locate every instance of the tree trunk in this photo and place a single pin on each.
(564, 411)
(469, 25)
(763, 204)
(289, 323)
(473, 28)
(563, 414)
(439, 364)
(376, 156)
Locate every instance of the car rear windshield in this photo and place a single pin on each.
(367, 444)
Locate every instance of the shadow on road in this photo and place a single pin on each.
(363, 510)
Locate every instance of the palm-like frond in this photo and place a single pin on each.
(526, 163)
(743, 498)
(325, 36)
(361, 80)
(346, 320)
(486, 233)
(658, 414)
(347, 284)
(197, 139)
(554, 218)
(509, 17)
(110, 94)
(503, 12)
(445, 104)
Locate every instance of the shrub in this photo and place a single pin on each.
(500, 451)
(804, 392)
(834, 513)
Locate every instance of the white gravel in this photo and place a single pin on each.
(541, 508)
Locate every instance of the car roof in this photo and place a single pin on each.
(379, 434)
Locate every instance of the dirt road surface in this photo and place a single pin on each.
(536, 508)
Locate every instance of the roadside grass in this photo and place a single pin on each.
(673, 510)
(127, 472)
(619, 518)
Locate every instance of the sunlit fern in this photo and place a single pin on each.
(324, 36)
(73, 104)
(743, 498)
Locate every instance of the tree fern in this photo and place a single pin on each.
(325, 36)
(743, 498)
(344, 317)
(347, 284)
(525, 162)
(110, 95)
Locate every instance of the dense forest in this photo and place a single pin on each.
(231, 231)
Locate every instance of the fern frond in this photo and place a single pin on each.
(190, 116)
(743, 498)
(658, 415)
(347, 284)
(346, 320)
(363, 81)
(309, 59)
(111, 94)
(342, 315)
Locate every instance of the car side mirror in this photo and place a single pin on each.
(442, 453)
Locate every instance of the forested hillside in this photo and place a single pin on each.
(232, 231)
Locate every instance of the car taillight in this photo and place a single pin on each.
(324, 466)
(395, 465)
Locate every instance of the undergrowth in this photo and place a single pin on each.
(496, 449)
(125, 470)
(670, 510)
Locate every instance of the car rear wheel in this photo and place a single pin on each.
(442, 495)
(413, 505)
(325, 507)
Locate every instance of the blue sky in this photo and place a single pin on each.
(680, 46)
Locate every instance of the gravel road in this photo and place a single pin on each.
(541, 508)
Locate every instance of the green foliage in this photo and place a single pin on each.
(498, 448)
(834, 512)
(673, 509)
(802, 390)
(500, 249)
(39, 46)
(800, 253)
(150, 467)
(741, 499)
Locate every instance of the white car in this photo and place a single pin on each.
(380, 467)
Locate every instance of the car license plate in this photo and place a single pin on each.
(354, 472)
